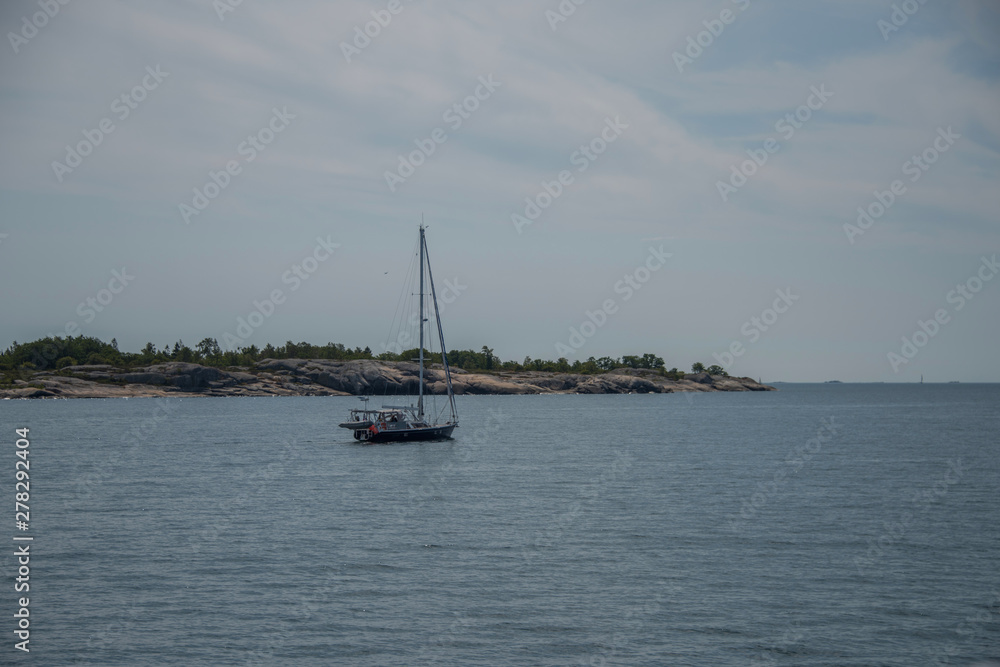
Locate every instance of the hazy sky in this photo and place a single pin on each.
(714, 150)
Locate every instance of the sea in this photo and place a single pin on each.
(821, 524)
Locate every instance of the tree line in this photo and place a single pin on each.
(56, 353)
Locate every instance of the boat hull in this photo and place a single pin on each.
(422, 433)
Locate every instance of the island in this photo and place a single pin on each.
(47, 369)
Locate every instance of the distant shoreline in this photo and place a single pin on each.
(324, 377)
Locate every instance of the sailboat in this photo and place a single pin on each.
(399, 423)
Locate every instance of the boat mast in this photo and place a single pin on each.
(420, 399)
(444, 350)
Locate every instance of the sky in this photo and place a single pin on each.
(797, 191)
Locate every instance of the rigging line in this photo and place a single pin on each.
(405, 316)
(430, 343)
(398, 321)
(411, 319)
(400, 301)
(444, 352)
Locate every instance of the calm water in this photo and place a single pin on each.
(724, 529)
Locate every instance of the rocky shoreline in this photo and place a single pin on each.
(322, 377)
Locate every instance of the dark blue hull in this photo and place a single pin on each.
(422, 433)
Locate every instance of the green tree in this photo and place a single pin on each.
(697, 367)
(208, 347)
(95, 360)
(65, 361)
(652, 361)
(716, 369)
(607, 363)
(488, 358)
(182, 352)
